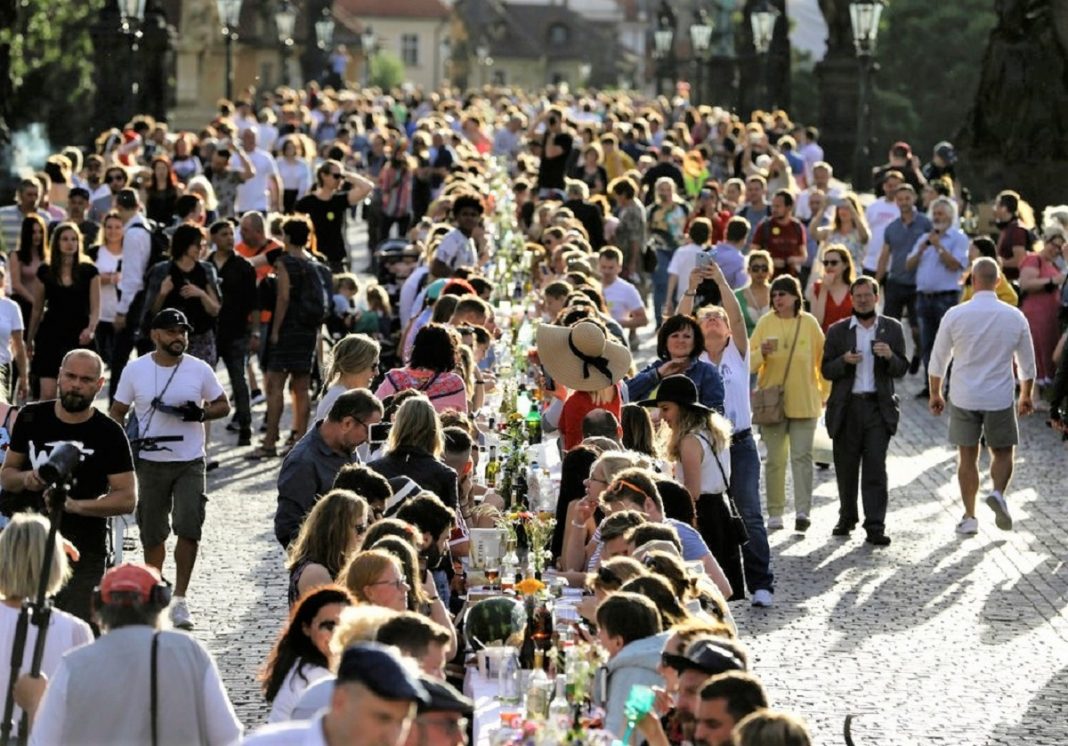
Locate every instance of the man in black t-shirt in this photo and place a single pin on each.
(327, 205)
(104, 484)
(556, 144)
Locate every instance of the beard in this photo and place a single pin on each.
(176, 347)
(864, 315)
(687, 724)
(75, 402)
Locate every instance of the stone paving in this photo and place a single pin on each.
(935, 639)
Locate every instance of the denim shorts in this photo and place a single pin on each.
(170, 494)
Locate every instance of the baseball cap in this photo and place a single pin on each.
(901, 145)
(433, 290)
(707, 655)
(945, 151)
(443, 697)
(169, 318)
(382, 670)
(129, 578)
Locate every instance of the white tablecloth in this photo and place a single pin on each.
(487, 707)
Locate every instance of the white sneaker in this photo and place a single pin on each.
(997, 503)
(180, 616)
(775, 522)
(968, 526)
(763, 598)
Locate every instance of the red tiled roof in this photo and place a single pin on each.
(393, 8)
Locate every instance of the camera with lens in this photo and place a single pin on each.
(188, 412)
(61, 464)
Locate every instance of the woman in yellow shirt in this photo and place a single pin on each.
(985, 246)
(769, 348)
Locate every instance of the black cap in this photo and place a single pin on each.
(677, 389)
(382, 670)
(443, 697)
(710, 656)
(169, 318)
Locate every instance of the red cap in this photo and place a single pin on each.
(132, 578)
(902, 145)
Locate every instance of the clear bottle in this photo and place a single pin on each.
(538, 690)
(509, 684)
(493, 467)
(559, 709)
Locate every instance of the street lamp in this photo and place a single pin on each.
(584, 70)
(229, 15)
(132, 13)
(285, 20)
(700, 41)
(324, 30)
(664, 42)
(864, 18)
(485, 62)
(763, 22)
(367, 45)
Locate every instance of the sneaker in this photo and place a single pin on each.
(775, 522)
(180, 616)
(801, 523)
(763, 598)
(1002, 519)
(245, 437)
(232, 426)
(256, 397)
(968, 526)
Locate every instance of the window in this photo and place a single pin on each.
(499, 77)
(410, 50)
(558, 35)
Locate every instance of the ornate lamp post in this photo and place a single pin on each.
(584, 70)
(664, 45)
(229, 14)
(367, 45)
(700, 41)
(285, 20)
(324, 30)
(132, 13)
(864, 17)
(485, 62)
(763, 21)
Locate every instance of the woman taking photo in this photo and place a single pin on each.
(786, 349)
(414, 450)
(698, 446)
(107, 257)
(14, 364)
(679, 346)
(829, 297)
(353, 365)
(332, 532)
(376, 577)
(849, 228)
(191, 286)
(755, 296)
(430, 370)
(302, 654)
(66, 306)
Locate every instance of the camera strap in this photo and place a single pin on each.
(153, 691)
(157, 397)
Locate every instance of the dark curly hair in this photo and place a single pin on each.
(434, 349)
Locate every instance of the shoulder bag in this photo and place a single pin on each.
(768, 403)
(134, 431)
(738, 529)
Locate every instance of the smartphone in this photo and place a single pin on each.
(705, 259)
(379, 432)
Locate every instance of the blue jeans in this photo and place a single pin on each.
(234, 354)
(745, 489)
(660, 284)
(930, 308)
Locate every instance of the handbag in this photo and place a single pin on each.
(738, 529)
(768, 404)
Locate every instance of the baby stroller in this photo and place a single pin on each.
(396, 259)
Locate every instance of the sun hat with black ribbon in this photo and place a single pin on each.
(677, 389)
(582, 357)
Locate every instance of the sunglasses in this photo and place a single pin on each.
(758, 268)
(831, 262)
(335, 174)
(360, 528)
(116, 177)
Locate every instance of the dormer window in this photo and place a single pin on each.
(559, 35)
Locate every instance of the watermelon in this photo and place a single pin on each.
(495, 621)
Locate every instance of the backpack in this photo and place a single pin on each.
(313, 305)
(160, 243)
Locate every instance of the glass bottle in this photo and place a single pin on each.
(559, 709)
(493, 468)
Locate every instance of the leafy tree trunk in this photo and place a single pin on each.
(8, 18)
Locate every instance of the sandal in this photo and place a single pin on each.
(259, 453)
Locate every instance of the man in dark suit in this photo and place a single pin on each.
(862, 356)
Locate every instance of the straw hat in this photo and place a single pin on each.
(581, 357)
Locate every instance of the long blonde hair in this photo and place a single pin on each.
(352, 354)
(694, 421)
(365, 568)
(416, 425)
(22, 549)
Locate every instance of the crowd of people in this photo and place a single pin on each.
(774, 298)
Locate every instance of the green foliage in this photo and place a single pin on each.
(929, 56)
(51, 69)
(387, 71)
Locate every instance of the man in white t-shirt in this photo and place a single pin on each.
(457, 248)
(881, 213)
(168, 390)
(263, 191)
(625, 304)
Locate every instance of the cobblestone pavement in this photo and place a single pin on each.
(935, 639)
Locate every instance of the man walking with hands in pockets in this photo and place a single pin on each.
(983, 336)
(168, 390)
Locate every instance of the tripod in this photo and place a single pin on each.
(37, 612)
